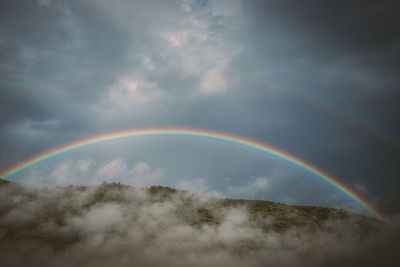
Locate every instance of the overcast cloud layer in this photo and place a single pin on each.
(319, 80)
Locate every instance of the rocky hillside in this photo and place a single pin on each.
(115, 224)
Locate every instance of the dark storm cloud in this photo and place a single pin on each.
(345, 54)
(336, 28)
(352, 45)
(16, 106)
(59, 58)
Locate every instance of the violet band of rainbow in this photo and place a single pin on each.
(202, 134)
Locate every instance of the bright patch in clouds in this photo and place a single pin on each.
(249, 190)
(90, 172)
(200, 51)
(198, 185)
(129, 95)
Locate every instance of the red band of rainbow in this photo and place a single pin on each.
(203, 134)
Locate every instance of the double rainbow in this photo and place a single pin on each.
(201, 134)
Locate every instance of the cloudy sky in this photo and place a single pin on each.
(317, 79)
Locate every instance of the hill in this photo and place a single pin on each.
(115, 224)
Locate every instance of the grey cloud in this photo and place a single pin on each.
(350, 27)
(74, 69)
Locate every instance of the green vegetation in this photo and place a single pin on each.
(119, 219)
(269, 216)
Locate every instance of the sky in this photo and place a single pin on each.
(316, 79)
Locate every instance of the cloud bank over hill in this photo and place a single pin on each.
(112, 224)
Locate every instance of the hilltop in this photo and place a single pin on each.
(117, 224)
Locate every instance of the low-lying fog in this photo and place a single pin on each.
(113, 225)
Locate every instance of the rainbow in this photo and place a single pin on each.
(384, 137)
(198, 134)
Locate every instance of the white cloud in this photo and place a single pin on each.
(129, 96)
(90, 172)
(187, 41)
(99, 218)
(113, 168)
(200, 51)
(213, 81)
(180, 53)
(198, 185)
(141, 174)
(84, 164)
(249, 190)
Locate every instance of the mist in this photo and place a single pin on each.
(114, 224)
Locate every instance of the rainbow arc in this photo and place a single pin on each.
(197, 134)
